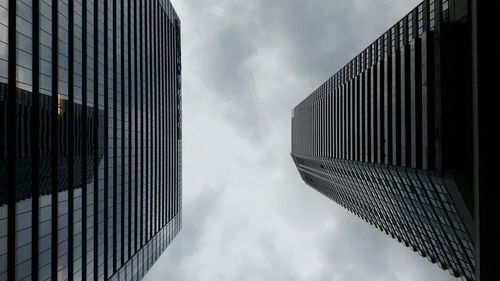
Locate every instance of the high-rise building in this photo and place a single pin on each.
(90, 137)
(394, 136)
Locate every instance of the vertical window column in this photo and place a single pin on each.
(396, 98)
(387, 156)
(92, 109)
(405, 97)
(54, 140)
(76, 35)
(368, 100)
(64, 165)
(373, 105)
(428, 97)
(115, 109)
(380, 101)
(416, 96)
(71, 141)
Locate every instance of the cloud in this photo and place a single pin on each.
(247, 214)
(196, 220)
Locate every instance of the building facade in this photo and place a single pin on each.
(392, 136)
(90, 137)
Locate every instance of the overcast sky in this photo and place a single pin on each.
(247, 215)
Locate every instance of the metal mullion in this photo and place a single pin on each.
(71, 143)
(326, 121)
(321, 122)
(405, 99)
(161, 141)
(54, 140)
(11, 142)
(170, 131)
(138, 229)
(318, 123)
(340, 115)
(168, 68)
(316, 129)
(106, 141)
(95, 140)
(309, 130)
(396, 101)
(343, 118)
(387, 104)
(359, 111)
(324, 118)
(35, 140)
(115, 149)
(129, 184)
(174, 146)
(334, 118)
(151, 48)
(165, 125)
(313, 129)
(355, 92)
(151, 116)
(352, 112)
(122, 142)
(362, 91)
(337, 118)
(83, 124)
(139, 101)
(428, 101)
(157, 193)
(340, 118)
(155, 116)
(128, 136)
(367, 128)
(375, 100)
(437, 87)
(178, 95)
(414, 89)
(331, 118)
(349, 117)
(146, 108)
(150, 104)
(329, 126)
(380, 105)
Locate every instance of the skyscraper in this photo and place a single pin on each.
(90, 137)
(394, 135)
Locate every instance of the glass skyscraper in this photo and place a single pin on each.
(90, 137)
(394, 135)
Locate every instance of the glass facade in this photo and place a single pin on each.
(379, 137)
(90, 137)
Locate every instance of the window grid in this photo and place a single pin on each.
(93, 119)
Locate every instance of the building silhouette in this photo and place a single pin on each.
(90, 138)
(393, 136)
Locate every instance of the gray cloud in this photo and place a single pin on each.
(247, 214)
(313, 39)
(196, 214)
